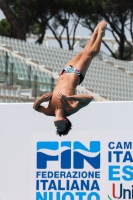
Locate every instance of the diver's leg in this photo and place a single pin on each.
(74, 60)
(90, 51)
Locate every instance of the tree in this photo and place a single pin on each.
(127, 49)
(5, 28)
(54, 15)
(40, 13)
(117, 15)
(16, 14)
(129, 27)
(64, 17)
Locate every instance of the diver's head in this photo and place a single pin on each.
(63, 126)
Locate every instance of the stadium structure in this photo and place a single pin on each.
(29, 70)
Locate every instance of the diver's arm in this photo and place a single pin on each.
(77, 105)
(82, 98)
(43, 98)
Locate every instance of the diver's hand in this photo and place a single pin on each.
(46, 96)
(43, 98)
(62, 96)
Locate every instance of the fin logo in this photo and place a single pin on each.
(69, 154)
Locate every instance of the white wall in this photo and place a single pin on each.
(21, 127)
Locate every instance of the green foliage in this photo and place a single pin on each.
(34, 28)
(127, 51)
(16, 7)
(5, 28)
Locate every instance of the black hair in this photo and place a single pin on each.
(67, 129)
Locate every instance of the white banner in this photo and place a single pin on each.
(93, 162)
(90, 166)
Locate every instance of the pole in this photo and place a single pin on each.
(11, 74)
(52, 84)
(6, 67)
(35, 86)
(29, 76)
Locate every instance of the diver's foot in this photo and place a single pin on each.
(102, 26)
